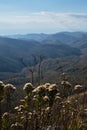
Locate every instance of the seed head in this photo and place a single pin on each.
(40, 90)
(46, 98)
(52, 87)
(57, 98)
(9, 88)
(78, 87)
(1, 86)
(5, 115)
(16, 108)
(16, 126)
(46, 85)
(1, 90)
(66, 84)
(47, 110)
(28, 87)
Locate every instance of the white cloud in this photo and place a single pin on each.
(44, 22)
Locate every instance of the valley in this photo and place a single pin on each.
(63, 52)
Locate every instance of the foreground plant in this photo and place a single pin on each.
(46, 107)
(9, 89)
(1, 99)
(6, 121)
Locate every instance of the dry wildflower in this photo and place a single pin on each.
(35, 98)
(52, 91)
(47, 110)
(85, 112)
(35, 114)
(9, 88)
(5, 115)
(22, 101)
(66, 84)
(46, 98)
(46, 85)
(21, 108)
(13, 126)
(1, 86)
(16, 108)
(58, 94)
(40, 90)
(29, 115)
(77, 87)
(23, 117)
(28, 87)
(26, 98)
(52, 87)
(21, 113)
(63, 106)
(1, 90)
(67, 102)
(36, 90)
(16, 126)
(57, 98)
(1, 83)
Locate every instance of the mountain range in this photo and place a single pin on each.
(64, 51)
(64, 37)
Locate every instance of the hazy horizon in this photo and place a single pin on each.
(43, 33)
(39, 16)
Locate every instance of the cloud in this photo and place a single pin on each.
(79, 16)
(44, 22)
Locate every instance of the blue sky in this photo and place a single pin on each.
(42, 16)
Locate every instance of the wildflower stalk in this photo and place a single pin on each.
(0, 118)
(1, 98)
(9, 90)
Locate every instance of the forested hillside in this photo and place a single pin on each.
(61, 52)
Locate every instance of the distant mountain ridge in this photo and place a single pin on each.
(17, 53)
(64, 37)
(64, 52)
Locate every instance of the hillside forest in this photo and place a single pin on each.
(43, 81)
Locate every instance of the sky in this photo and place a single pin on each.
(42, 16)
